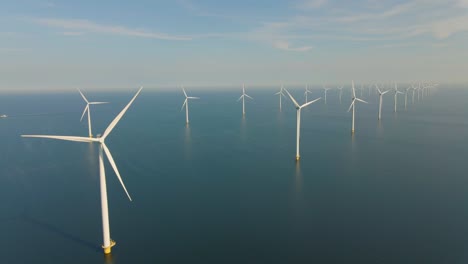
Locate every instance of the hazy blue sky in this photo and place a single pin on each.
(110, 44)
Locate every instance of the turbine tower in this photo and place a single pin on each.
(325, 89)
(380, 101)
(186, 105)
(414, 90)
(108, 243)
(340, 92)
(87, 109)
(298, 109)
(406, 97)
(353, 105)
(280, 94)
(243, 99)
(307, 91)
(396, 96)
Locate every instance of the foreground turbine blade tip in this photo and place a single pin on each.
(119, 116)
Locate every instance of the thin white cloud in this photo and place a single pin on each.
(445, 28)
(394, 11)
(83, 25)
(285, 45)
(73, 33)
(311, 4)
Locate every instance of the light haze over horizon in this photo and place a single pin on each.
(62, 45)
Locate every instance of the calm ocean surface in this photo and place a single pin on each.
(228, 189)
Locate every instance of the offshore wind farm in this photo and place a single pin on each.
(353, 150)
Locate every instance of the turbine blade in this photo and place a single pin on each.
(82, 95)
(352, 103)
(380, 92)
(95, 103)
(248, 96)
(292, 99)
(66, 138)
(240, 98)
(354, 93)
(362, 101)
(193, 97)
(183, 89)
(311, 102)
(112, 163)
(84, 112)
(119, 116)
(185, 102)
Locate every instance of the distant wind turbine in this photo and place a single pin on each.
(353, 105)
(414, 90)
(298, 109)
(280, 94)
(380, 101)
(243, 99)
(419, 89)
(340, 92)
(406, 97)
(396, 96)
(325, 89)
(307, 91)
(108, 242)
(186, 105)
(87, 109)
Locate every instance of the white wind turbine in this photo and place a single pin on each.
(396, 96)
(87, 109)
(307, 91)
(325, 90)
(353, 105)
(107, 242)
(298, 109)
(406, 97)
(419, 89)
(186, 105)
(341, 92)
(280, 94)
(414, 90)
(243, 99)
(380, 101)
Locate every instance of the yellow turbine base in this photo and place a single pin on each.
(352, 131)
(107, 250)
(298, 158)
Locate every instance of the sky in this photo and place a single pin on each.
(60, 45)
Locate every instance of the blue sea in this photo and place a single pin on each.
(227, 189)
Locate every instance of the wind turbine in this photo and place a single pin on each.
(280, 94)
(306, 92)
(380, 101)
(325, 90)
(186, 104)
(419, 89)
(396, 95)
(243, 99)
(353, 105)
(87, 109)
(341, 91)
(108, 243)
(414, 90)
(406, 97)
(298, 108)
